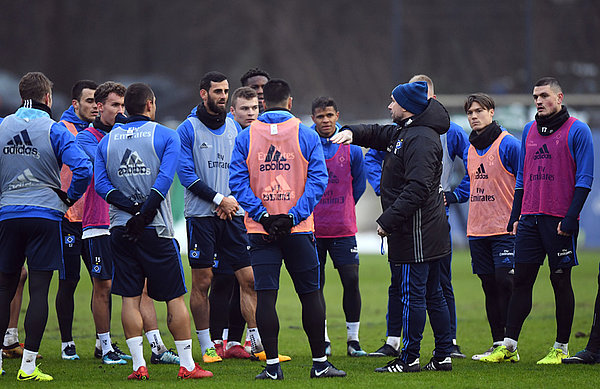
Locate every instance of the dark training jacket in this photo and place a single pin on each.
(411, 194)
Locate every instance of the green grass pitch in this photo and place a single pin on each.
(473, 336)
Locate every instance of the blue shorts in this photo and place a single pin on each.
(73, 250)
(537, 237)
(300, 256)
(491, 253)
(37, 239)
(222, 267)
(210, 239)
(151, 257)
(343, 251)
(99, 251)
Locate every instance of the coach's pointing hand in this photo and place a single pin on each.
(343, 137)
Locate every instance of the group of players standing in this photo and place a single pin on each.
(261, 191)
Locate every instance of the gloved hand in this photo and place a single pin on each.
(63, 197)
(118, 199)
(135, 226)
(569, 225)
(266, 220)
(281, 225)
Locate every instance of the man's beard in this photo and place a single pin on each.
(214, 107)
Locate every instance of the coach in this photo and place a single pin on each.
(414, 218)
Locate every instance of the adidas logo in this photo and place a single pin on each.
(274, 155)
(21, 144)
(275, 160)
(205, 146)
(542, 153)
(132, 165)
(23, 180)
(278, 190)
(480, 174)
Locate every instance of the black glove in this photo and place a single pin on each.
(569, 224)
(281, 225)
(63, 197)
(118, 199)
(450, 198)
(120, 118)
(266, 220)
(515, 213)
(135, 225)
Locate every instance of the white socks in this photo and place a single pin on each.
(28, 361)
(64, 345)
(156, 342)
(510, 344)
(105, 343)
(562, 346)
(393, 341)
(352, 328)
(11, 337)
(184, 349)
(204, 339)
(136, 348)
(254, 337)
(326, 334)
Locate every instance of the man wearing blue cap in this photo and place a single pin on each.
(413, 218)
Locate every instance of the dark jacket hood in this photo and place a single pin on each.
(435, 116)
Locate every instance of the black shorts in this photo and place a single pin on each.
(537, 237)
(73, 250)
(98, 249)
(301, 261)
(343, 250)
(37, 239)
(491, 253)
(151, 257)
(210, 239)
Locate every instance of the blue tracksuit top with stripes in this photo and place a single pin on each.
(316, 177)
(70, 116)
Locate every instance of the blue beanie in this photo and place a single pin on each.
(411, 96)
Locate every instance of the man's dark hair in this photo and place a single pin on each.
(136, 97)
(244, 92)
(276, 93)
(253, 73)
(211, 77)
(106, 88)
(34, 86)
(550, 81)
(482, 99)
(322, 103)
(80, 86)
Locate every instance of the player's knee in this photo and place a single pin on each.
(102, 288)
(561, 279)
